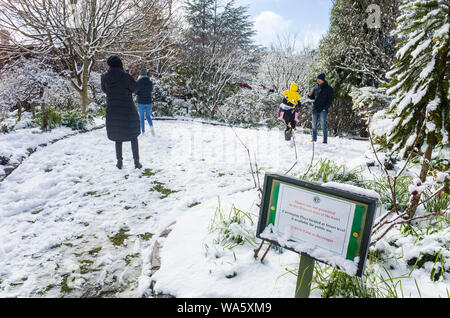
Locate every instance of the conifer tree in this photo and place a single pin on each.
(420, 82)
(420, 77)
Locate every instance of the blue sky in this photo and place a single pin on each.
(308, 19)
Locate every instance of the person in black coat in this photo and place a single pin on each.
(122, 119)
(323, 95)
(144, 93)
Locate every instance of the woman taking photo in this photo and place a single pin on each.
(122, 119)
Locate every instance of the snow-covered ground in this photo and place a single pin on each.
(23, 140)
(72, 224)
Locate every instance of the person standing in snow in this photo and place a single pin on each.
(323, 95)
(289, 109)
(144, 92)
(122, 119)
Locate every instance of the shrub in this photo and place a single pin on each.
(326, 170)
(233, 229)
(69, 118)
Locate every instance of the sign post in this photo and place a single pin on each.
(304, 277)
(327, 224)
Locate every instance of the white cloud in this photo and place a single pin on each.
(310, 35)
(268, 25)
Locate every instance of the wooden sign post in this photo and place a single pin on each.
(326, 224)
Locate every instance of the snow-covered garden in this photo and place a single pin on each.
(73, 225)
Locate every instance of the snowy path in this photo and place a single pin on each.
(72, 224)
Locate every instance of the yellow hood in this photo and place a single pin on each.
(292, 94)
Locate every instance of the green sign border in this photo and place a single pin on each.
(362, 220)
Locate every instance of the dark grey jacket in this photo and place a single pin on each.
(122, 118)
(144, 91)
(323, 96)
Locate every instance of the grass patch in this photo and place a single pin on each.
(37, 211)
(119, 238)
(46, 289)
(146, 236)
(95, 194)
(148, 173)
(194, 204)
(159, 187)
(130, 257)
(85, 267)
(48, 170)
(94, 251)
(64, 287)
(326, 170)
(232, 229)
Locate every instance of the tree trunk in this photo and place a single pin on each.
(84, 100)
(431, 141)
(19, 111)
(85, 87)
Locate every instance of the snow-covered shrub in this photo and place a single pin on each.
(369, 100)
(68, 118)
(95, 90)
(74, 119)
(163, 104)
(33, 82)
(256, 105)
(232, 229)
(333, 283)
(381, 186)
(326, 170)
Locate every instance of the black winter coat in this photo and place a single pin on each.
(122, 118)
(323, 96)
(144, 91)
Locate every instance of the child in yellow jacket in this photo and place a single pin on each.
(289, 109)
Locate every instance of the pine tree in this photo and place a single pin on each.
(420, 81)
(216, 48)
(355, 54)
(420, 76)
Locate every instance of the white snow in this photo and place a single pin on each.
(62, 208)
(353, 189)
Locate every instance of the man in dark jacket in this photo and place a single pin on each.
(122, 119)
(144, 92)
(322, 95)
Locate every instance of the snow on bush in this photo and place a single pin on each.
(31, 81)
(256, 105)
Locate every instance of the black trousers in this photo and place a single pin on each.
(134, 149)
(289, 118)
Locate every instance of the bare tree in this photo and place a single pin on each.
(284, 64)
(78, 32)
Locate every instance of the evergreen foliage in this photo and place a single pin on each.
(420, 77)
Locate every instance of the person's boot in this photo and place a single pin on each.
(119, 164)
(137, 164)
(153, 130)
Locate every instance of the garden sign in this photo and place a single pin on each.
(328, 224)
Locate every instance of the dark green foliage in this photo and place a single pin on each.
(326, 170)
(69, 118)
(420, 77)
